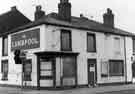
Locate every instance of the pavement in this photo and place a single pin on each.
(95, 90)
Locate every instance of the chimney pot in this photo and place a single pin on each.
(108, 18)
(81, 15)
(13, 8)
(64, 10)
(39, 13)
(38, 8)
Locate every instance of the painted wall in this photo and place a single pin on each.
(50, 41)
(15, 70)
(105, 51)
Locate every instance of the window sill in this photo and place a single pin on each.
(4, 79)
(66, 49)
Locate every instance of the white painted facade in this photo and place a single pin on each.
(50, 41)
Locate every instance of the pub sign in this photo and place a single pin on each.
(26, 40)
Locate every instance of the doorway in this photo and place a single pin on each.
(92, 72)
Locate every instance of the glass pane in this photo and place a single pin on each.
(104, 69)
(91, 43)
(117, 45)
(46, 73)
(46, 65)
(28, 68)
(5, 46)
(134, 45)
(66, 40)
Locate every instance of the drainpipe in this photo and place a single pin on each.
(125, 60)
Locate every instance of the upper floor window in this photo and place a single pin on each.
(5, 46)
(4, 69)
(117, 45)
(134, 45)
(91, 42)
(66, 40)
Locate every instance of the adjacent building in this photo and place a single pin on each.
(62, 50)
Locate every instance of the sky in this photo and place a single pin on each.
(124, 10)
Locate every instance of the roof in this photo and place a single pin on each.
(11, 20)
(76, 22)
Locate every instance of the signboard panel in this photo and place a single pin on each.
(26, 40)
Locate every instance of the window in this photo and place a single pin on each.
(5, 46)
(27, 70)
(66, 40)
(134, 45)
(104, 69)
(112, 68)
(91, 42)
(4, 69)
(116, 68)
(117, 45)
(46, 68)
(69, 68)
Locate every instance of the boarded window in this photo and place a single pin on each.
(4, 69)
(69, 68)
(65, 40)
(116, 68)
(91, 42)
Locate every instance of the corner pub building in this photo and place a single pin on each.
(62, 50)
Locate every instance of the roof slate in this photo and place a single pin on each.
(11, 20)
(76, 22)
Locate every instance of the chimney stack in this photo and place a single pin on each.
(13, 8)
(39, 13)
(64, 10)
(109, 18)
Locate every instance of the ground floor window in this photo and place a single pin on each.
(27, 70)
(104, 69)
(4, 69)
(112, 68)
(133, 69)
(69, 69)
(46, 68)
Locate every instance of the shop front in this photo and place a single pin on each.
(56, 69)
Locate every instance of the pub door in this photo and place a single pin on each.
(92, 72)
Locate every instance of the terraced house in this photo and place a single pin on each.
(61, 50)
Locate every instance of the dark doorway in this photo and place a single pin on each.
(92, 72)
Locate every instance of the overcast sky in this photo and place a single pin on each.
(124, 10)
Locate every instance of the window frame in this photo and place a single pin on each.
(94, 36)
(133, 45)
(116, 61)
(4, 78)
(3, 46)
(27, 77)
(70, 40)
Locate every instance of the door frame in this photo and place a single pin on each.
(76, 76)
(95, 62)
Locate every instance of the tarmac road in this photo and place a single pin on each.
(118, 89)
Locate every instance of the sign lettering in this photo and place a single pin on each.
(26, 40)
